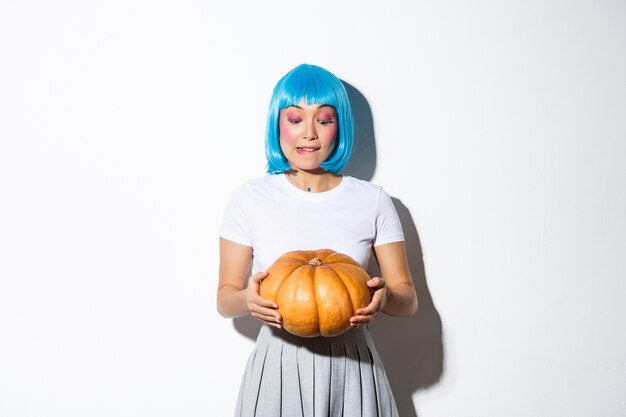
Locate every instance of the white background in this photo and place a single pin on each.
(498, 127)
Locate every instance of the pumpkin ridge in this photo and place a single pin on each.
(330, 327)
(357, 270)
(357, 276)
(341, 280)
(293, 257)
(314, 295)
(301, 277)
(282, 282)
(340, 258)
(284, 263)
(273, 282)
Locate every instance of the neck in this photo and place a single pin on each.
(315, 182)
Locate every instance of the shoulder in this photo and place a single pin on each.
(264, 187)
(362, 187)
(266, 181)
(371, 194)
(261, 186)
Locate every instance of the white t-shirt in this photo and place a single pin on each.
(273, 217)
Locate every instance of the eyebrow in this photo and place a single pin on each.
(321, 106)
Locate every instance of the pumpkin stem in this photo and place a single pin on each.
(315, 261)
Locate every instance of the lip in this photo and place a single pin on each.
(305, 150)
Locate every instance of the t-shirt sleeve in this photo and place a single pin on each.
(235, 224)
(388, 226)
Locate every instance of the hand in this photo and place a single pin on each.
(262, 309)
(379, 300)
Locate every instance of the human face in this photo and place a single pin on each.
(307, 134)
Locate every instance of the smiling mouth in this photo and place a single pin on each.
(306, 149)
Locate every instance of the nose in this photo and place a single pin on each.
(310, 133)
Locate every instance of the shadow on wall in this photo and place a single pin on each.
(411, 348)
(362, 163)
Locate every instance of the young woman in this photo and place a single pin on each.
(306, 204)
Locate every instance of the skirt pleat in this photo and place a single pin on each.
(270, 391)
(291, 376)
(337, 378)
(368, 384)
(252, 382)
(321, 354)
(386, 404)
(352, 384)
(305, 363)
(290, 383)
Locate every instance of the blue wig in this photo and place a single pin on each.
(313, 85)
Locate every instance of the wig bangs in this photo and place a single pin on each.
(310, 87)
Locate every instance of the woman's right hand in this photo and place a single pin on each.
(262, 309)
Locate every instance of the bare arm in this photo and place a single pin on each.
(394, 293)
(238, 294)
(401, 296)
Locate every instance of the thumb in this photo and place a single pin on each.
(258, 277)
(376, 282)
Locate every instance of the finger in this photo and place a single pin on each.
(376, 282)
(360, 320)
(267, 316)
(373, 307)
(256, 308)
(258, 277)
(263, 302)
(367, 311)
(270, 323)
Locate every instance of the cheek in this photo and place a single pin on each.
(286, 131)
(331, 133)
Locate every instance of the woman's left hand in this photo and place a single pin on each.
(379, 299)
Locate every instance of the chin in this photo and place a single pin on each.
(306, 166)
(313, 170)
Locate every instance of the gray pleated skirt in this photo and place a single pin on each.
(291, 376)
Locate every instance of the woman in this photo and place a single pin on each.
(306, 204)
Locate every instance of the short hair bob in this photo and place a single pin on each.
(313, 85)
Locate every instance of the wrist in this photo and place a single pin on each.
(386, 298)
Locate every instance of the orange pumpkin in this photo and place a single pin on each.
(317, 291)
